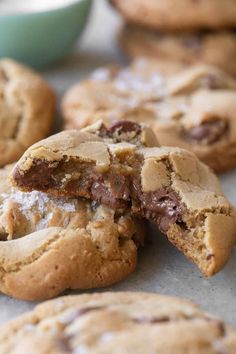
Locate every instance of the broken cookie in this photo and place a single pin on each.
(193, 108)
(51, 244)
(168, 186)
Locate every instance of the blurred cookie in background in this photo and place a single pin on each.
(215, 48)
(178, 15)
(193, 108)
(27, 106)
(117, 322)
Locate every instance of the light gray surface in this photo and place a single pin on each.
(161, 267)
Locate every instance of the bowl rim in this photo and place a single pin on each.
(71, 3)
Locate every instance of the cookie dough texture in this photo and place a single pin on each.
(179, 15)
(192, 109)
(168, 186)
(27, 106)
(52, 244)
(214, 48)
(134, 323)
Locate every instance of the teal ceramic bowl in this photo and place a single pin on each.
(41, 38)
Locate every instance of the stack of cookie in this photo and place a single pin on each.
(182, 31)
(79, 198)
(73, 208)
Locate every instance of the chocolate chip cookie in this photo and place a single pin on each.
(193, 108)
(215, 48)
(134, 323)
(51, 244)
(179, 15)
(168, 186)
(27, 107)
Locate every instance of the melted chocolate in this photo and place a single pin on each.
(40, 173)
(116, 193)
(163, 207)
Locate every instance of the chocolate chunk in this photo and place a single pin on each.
(116, 193)
(70, 317)
(119, 128)
(209, 256)
(64, 343)
(103, 132)
(125, 126)
(208, 132)
(39, 174)
(222, 328)
(152, 320)
(210, 82)
(85, 310)
(162, 207)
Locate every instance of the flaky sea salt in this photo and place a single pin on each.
(126, 80)
(40, 201)
(101, 74)
(81, 349)
(219, 347)
(107, 337)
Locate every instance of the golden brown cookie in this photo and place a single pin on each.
(118, 322)
(168, 186)
(27, 107)
(187, 48)
(51, 244)
(179, 15)
(192, 109)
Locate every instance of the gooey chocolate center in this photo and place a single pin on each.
(120, 192)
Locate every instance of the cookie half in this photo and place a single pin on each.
(168, 186)
(51, 244)
(27, 106)
(179, 15)
(117, 323)
(210, 47)
(192, 109)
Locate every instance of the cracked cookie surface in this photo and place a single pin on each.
(192, 109)
(118, 323)
(51, 244)
(168, 186)
(179, 15)
(187, 48)
(27, 107)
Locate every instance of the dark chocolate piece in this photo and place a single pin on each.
(208, 132)
(152, 320)
(113, 191)
(125, 126)
(40, 173)
(119, 128)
